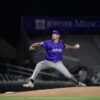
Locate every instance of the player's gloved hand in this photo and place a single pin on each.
(31, 48)
(76, 46)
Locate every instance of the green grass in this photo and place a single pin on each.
(52, 98)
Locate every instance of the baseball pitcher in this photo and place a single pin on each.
(53, 58)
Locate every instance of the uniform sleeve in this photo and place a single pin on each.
(43, 44)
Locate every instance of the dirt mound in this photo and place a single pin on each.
(72, 91)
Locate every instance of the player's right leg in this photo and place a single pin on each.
(41, 65)
(61, 67)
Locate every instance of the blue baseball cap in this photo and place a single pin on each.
(56, 32)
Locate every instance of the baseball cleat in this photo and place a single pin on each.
(81, 84)
(29, 85)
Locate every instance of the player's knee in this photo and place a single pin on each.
(38, 65)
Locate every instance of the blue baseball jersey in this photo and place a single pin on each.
(53, 50)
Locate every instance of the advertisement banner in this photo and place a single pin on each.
(64, 24)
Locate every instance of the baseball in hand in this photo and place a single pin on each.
(77, 46)
(31, 48)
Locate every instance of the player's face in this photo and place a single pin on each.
(55, 36)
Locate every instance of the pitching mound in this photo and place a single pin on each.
(72, 91)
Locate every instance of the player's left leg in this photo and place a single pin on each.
(61, 67)
(41, 65)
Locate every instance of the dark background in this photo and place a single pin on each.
(11, 12)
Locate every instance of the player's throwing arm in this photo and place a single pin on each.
(34, 45)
